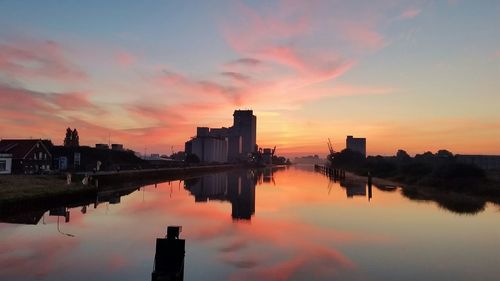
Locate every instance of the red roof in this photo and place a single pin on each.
(19, 148)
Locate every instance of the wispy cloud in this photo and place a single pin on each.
(409, 14)
(249, 62)
(37, 59)
(236, 76)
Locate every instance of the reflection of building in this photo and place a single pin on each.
(356, 144)
(242, 195)
(237, 187)
(267, 176)
(226, 144)
(354, 188)
(32, 217)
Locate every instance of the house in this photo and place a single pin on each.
(5, 163)
(85, 158)
(29, 156)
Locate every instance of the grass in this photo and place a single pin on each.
(21, 187)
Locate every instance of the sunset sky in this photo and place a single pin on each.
(416, 75)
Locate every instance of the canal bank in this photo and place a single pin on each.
(118, 177)
(463, 201)
(26, 190)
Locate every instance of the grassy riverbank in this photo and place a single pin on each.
(16, 188)
(41, 188)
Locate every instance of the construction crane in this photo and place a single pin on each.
(330, 147)
(332, 152)
(272, 152)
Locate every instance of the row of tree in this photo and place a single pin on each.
(440, 168)
(72, 139)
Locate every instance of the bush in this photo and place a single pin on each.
(458, 170)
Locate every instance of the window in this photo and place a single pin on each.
(40, 155)
(3, 165)
(77, 158)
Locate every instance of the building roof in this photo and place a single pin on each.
(19, 148)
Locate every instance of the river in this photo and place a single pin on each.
(272, 224)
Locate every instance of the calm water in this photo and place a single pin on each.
(291, 224)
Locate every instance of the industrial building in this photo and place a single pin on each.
(222, 145)
(356, 144)
(208, 148)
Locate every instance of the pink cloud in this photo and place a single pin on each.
(75, 102)
(116, 262)
(31, 101)
(34, 259)
(125, 58)
(37, 59)
(238, 77)
(363, 36)
(409, 14)
(202, 88)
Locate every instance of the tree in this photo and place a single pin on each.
(402, 156)
(72, 139)
(75, 139)
(443, 153)
(67, 139)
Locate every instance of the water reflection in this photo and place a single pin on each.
(454, 202)
(238, 188)
(293, 230)
(354, 188)
(450, 201)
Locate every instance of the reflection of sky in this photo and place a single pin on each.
(299, 232)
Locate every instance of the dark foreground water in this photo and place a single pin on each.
(289, 224)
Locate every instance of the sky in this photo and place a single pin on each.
(413, 75)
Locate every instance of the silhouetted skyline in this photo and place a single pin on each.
(416, 75)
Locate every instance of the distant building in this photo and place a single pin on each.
(267, 156)
(84, 158)
(207, 147)
(226, 144)
(485, 162)
(5, 163)
(29, 156)
(245, 125)
(101, 146)
(310, 159)
(356, 144)
(117, 146)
